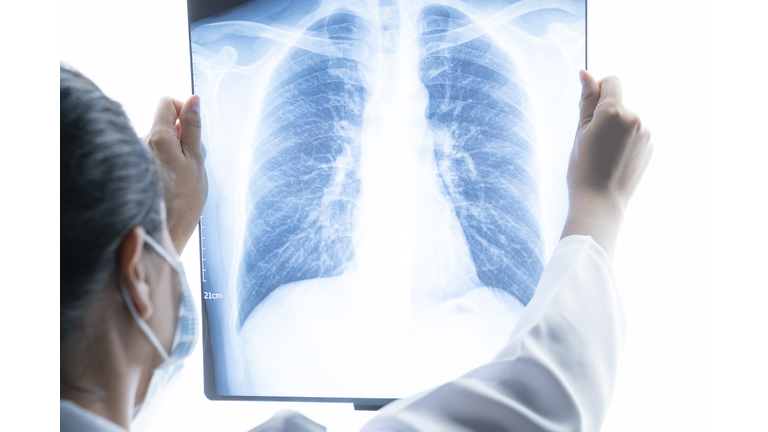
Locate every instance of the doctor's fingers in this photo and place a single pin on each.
(289, 420)
(590, 94)
(190, 128)
(176, 129)
(167, 112)
(611, 92)
(163, 137)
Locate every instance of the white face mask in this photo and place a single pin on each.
(184, 340)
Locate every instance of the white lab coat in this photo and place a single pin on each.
(555, 374)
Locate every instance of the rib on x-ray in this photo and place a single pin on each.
(387, 180)
(479, 113)
(305, 178)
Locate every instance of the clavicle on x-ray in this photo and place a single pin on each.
(387, 181)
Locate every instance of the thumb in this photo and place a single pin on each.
(190, 126)
(590, 94)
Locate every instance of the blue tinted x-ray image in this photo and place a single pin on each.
(387, 181)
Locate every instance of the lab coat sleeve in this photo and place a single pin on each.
(557, 371)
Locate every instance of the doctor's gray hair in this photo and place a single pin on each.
(109, 185)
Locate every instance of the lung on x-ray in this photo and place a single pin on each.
(387, 182)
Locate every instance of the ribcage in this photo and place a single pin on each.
(304, 178)
(479, 116)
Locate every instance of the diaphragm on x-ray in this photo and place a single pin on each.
(387, 181)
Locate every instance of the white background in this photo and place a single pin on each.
(691, 259)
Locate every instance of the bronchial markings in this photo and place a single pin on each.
(304, 171)
(483, 146)
(304, 179)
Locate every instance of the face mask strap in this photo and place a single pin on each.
(160, 250)
(142, 324)
(175, 264)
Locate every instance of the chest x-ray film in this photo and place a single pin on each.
(387, 182)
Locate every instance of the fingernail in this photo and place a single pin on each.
(583, 77)
(194, 103)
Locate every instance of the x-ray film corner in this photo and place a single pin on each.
(387, 181)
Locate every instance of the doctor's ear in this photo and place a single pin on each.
(133, 271)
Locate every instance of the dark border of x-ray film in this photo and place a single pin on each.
(196, 11)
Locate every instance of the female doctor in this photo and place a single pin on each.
(129, 205)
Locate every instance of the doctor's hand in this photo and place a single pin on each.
(289, 420)
(175, 142)
(610, 154)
